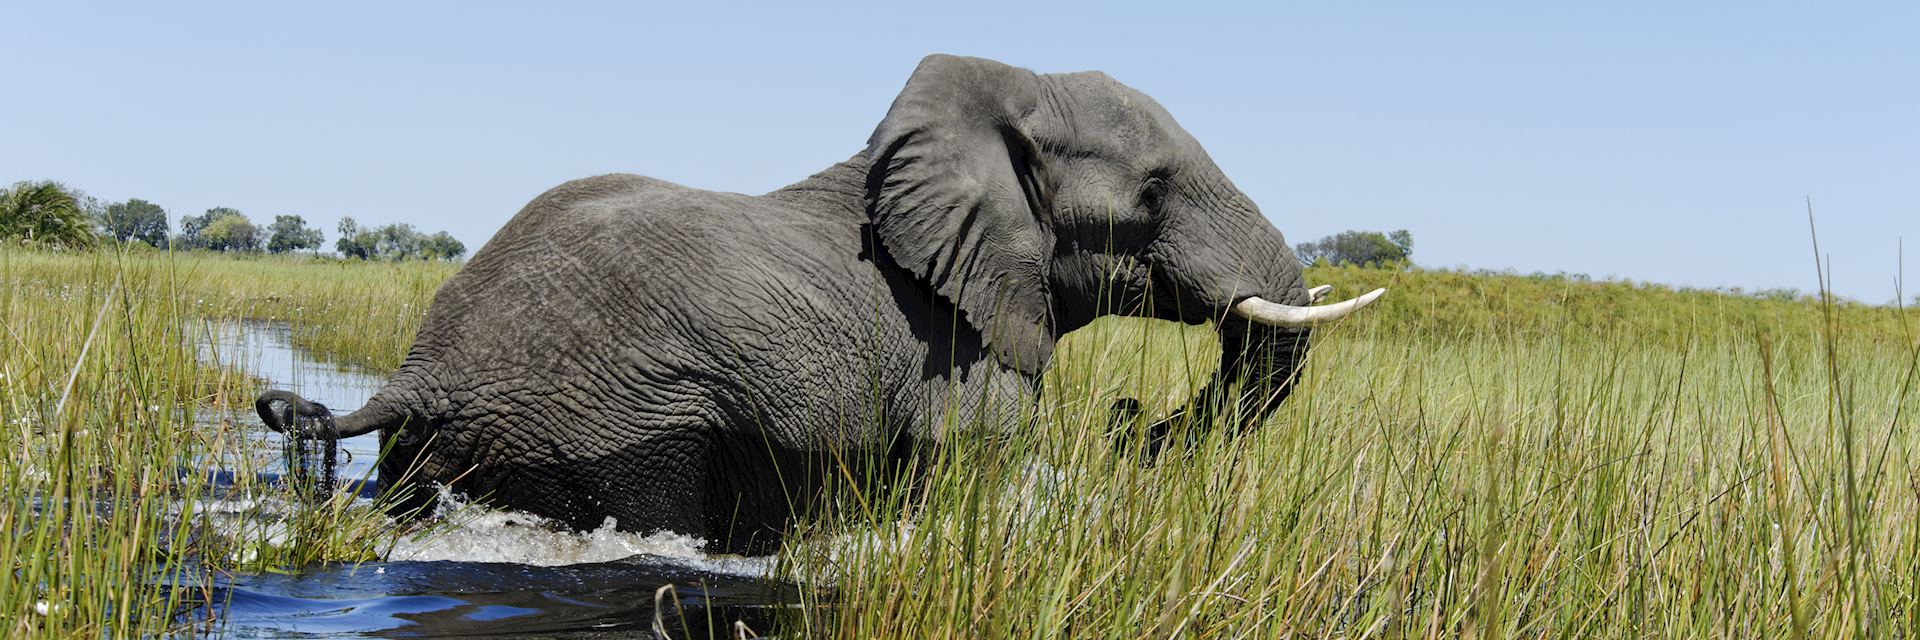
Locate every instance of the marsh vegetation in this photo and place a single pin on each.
(1478, 455)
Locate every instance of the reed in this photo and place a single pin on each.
(1484, 456)
(111, 419)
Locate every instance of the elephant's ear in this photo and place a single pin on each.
(957, 197)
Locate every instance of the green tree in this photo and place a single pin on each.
(1359, 247)
(395, 242)
(354, 242)
(231, 231)
(291, 233)
(44, 213)
(192, 228)
(442, 246)
(134, 220)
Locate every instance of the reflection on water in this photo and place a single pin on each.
(457, 599)
(494, 573)
(265, 350)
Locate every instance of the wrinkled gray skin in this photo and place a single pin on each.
(684, 359)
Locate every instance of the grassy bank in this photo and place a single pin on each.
(1475, 455)
(110, 416)
(1592, 483)
(1479, 455)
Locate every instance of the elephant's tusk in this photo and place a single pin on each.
(1315, 294)
(1286, 315)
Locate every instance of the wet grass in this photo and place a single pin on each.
(1477, 455)
(110, 418)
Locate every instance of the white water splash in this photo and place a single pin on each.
(507, 536)
(468, 533)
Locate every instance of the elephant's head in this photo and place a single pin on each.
(1035, 203)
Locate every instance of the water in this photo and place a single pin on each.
(492, 573)
(462, 598)
(265, 350)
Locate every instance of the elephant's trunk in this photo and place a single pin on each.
(303, 414)
(1234, 268)
(1264, 361)
(1259, 365)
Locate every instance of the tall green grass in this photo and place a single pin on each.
(1475, 455)
(111, 418)
(1479, 456)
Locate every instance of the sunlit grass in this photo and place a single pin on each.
(1475, 455)
(1682, 464)
(110, 420)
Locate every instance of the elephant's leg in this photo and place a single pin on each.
(646, 478)
(659, 481)
(408, 472)
(758, 487)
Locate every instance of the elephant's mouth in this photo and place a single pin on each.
(1274, 314)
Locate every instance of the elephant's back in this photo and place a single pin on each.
(609, 254)
(657, 233)
(621, 295)
(549, 280)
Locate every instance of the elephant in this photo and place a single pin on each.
(680, 359)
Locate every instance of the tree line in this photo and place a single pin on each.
(50, 214)
(1365, 248)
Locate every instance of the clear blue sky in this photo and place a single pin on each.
(1672, 142)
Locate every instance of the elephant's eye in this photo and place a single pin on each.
(1154, 191)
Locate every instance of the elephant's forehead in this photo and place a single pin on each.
(1110, 119)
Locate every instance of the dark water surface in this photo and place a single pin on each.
(459, 599)
(498, 574)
